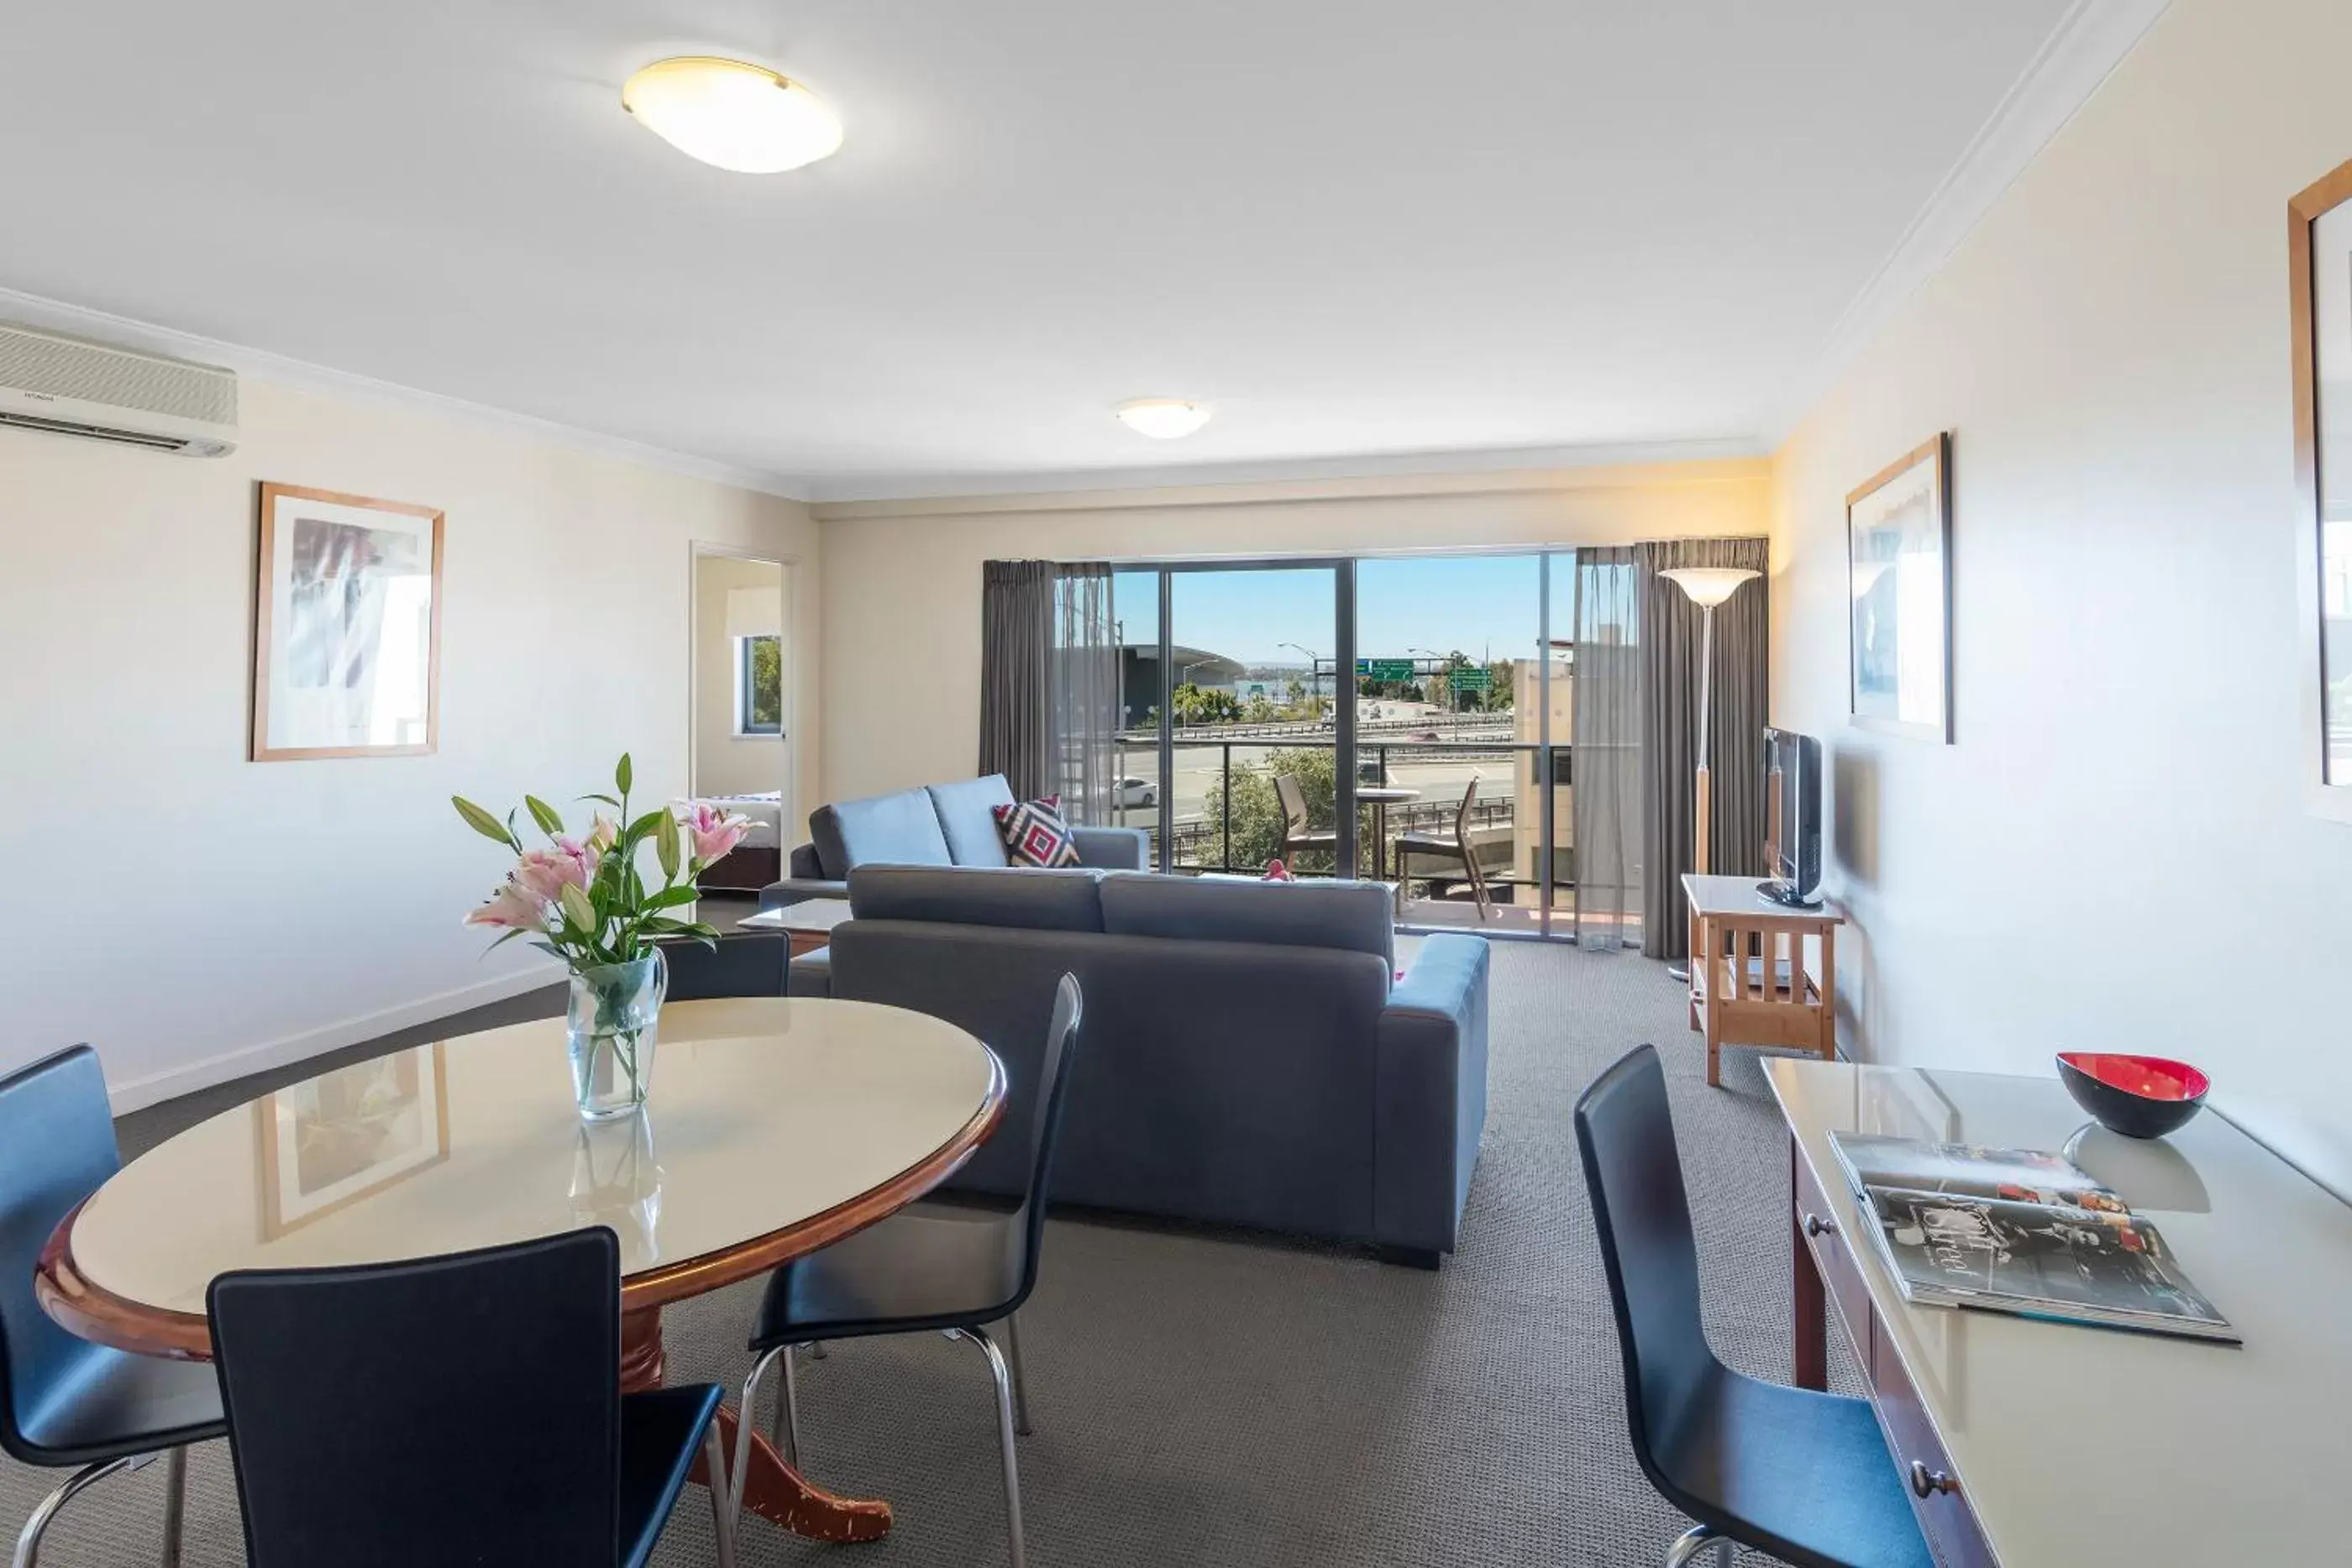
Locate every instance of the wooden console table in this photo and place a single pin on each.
(1762, 973)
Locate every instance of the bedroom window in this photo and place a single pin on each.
(759, 685)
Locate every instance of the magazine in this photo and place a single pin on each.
(2014, 1231)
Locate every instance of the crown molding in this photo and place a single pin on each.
(58, 315)
(2081, 52)
(1690, 464)
(1212, 483)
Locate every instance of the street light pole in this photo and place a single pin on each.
(1314, 671)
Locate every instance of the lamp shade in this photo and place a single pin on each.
(1708, 586)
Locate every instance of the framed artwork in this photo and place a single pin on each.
(1899, 567)
(347, 627)
(348, 1134)
(2319, 270)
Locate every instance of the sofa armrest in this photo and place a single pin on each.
(804, 865)
(800, 890)
(1113, 849)
(810, 975)
(1432, 1092)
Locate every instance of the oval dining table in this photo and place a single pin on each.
(773, 1127)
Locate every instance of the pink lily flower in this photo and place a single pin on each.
(514, 907)
(545, 873)
(715, 832)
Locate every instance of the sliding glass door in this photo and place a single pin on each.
(1407, 719)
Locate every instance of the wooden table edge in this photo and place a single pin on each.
(89, 1310)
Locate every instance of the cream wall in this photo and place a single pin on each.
(196, 915)
(2116, 850)
(902, 662)
(726, 763)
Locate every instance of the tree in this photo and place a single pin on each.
(1257, 809)
(1197, 704)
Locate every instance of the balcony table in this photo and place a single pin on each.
(1380, 798)
(774, 1127)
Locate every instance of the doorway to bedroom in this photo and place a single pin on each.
(742, 742)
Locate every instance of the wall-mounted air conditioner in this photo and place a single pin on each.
(73, 387)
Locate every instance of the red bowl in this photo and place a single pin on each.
(2138, 1097)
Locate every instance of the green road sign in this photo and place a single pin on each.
(1385, 669)
(1471, 678)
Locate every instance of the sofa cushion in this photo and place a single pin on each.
(966, 812)
(1353, 916)
(1012, 897)
(1036, 833)
(886, 830)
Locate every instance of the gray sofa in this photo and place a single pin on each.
(939, 824)
(1247, 1057)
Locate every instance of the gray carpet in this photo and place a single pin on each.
(1205, 1399)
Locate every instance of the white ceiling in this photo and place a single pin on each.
(1359, 228)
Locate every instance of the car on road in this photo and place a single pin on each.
(1134, 792)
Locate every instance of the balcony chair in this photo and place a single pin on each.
(1803, 1476)
(1296, 836)
(466, 1408)
(954, 1268)
(1457, 848)
(64, 1401)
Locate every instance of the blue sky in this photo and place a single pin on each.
(1470, 602)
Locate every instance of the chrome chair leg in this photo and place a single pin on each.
(724, 1507)
(1691, 1542)
(28, 1543)
(1003, 1436)
(175, 1505)
(1020, 1378)
(743, 1467)
(784, 1427)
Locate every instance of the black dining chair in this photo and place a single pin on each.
(64, 1402)
(954, 1268)
(1803, 1476)
(464, 1408)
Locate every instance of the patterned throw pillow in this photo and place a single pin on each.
(1036, 833)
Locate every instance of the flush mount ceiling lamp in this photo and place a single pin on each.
(734, 116)
(1163, 418)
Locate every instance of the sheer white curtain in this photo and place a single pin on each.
(1085, 693)
(1605, 735)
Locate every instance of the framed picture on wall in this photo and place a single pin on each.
(347, 627)
(2319, 269)
(1899, 567)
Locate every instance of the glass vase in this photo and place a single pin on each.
(615, 1014)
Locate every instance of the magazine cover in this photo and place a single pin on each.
(2114, 1265)
(2022, 1175)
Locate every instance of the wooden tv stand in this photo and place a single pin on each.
(1762, 973)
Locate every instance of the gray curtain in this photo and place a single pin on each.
(1669, 645)
(1605, 739)
(1085, 693)
(1016, 699)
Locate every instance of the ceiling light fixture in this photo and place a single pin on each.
(1163, 418)
(739, 117)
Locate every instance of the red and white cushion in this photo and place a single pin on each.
(1036, 833)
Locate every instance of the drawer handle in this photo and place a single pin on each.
(1926, 1483)
(1816, 1226)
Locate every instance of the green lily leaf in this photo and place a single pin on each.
(671, 897)
(665, 843)
(482, 822)
(543, 814)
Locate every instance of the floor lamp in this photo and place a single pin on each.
(1706, 586)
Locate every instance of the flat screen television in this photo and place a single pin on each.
(1792, 820)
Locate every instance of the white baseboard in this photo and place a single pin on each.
(135, 1093)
